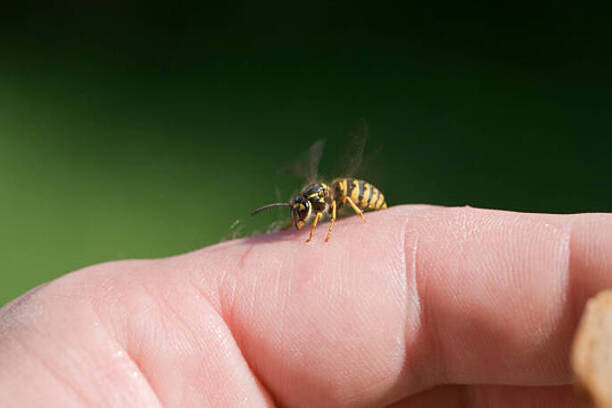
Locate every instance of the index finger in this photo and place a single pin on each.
(416, 297)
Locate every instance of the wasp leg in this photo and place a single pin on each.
(314, 225)
(355, 208)
(287, 226)
(333, 219)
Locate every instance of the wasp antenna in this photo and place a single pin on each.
(268, 207)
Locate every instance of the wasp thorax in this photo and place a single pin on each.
(300, 211)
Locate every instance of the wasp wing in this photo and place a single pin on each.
(351, 161)
(355, 163)
(306, 166)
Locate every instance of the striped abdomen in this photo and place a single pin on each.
(362, 193)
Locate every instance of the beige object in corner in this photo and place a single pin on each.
(592, 353)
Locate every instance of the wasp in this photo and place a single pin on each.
(319, 199)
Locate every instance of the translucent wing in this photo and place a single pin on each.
(307, 165)
(351, 161)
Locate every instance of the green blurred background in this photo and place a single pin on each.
(145, 130)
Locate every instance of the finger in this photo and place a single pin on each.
(484, 396)
(416, 297)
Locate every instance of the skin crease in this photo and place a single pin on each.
(419, 307)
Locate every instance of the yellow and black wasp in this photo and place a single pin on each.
(319, 199)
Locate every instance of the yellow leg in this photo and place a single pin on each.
(288, 225)
(314, 225)
(355, 208)
(333, 219)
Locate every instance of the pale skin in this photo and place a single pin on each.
(419, 307)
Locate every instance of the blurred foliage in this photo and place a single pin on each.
(145, 130)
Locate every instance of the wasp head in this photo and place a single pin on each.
(300, 211)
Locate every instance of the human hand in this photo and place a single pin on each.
(421, 306)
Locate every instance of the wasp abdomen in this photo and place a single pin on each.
(365, 195)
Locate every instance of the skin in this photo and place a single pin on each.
(419, 307)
